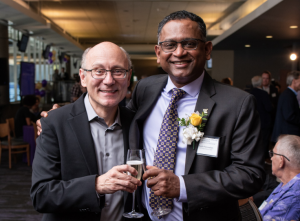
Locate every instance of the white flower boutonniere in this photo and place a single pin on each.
(195, 124)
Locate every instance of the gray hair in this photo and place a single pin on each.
(83, 59)
(183, 15)
(128, 58)
(256, 81)
(289, 146)
(293, 75)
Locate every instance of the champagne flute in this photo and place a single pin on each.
(135, 159)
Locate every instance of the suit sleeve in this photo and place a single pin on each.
(291, 111)
(51, 194)
(243, 177)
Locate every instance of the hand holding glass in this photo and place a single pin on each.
(136, 159)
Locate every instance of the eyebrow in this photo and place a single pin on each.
(102, 66)
(186, 39)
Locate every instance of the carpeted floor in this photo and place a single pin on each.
(15, 202)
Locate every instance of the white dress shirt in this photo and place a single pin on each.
(185, 106)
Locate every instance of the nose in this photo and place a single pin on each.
(179, 52)
(108, 80)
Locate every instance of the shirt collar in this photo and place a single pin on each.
(289, 184)
(92, 114)
(295, 92)
(192, 88)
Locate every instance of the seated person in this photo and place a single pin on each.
(268, 187)
(76, 91)
(35, 109)
(24, 116)
(284, 201)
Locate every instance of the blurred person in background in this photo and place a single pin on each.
(24, 116)
(264, 108)
(284, 202)
(76, 91)
(288, 113)
(35, 109)
(227, 81)
(269, 88)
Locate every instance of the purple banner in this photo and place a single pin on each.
(27, 78)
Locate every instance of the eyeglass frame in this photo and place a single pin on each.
(196, 39)
(91, 70)
(271, 154)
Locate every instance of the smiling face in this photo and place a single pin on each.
(105, 94)
(183, 66)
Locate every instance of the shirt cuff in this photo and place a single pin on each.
(182, 197)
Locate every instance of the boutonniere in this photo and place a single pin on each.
(195, 124)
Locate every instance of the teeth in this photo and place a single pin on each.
(108, 91)
(180, 62)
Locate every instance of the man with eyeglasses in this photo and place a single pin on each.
(284, 202)
(77, 169)
(192, 182)
(187, 183)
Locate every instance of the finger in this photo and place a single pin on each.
(55, 106)
(115, 174)
(122, 184)
(151, 167)
(44, 114)
(126, 168)
(151, 173)
(152, 182)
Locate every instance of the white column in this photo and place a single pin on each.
(29, 50)
(15, 70)
(40, 59)
(34, 55)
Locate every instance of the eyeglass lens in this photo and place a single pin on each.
(170, 46)
(116, 73)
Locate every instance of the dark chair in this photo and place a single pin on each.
(13, 146)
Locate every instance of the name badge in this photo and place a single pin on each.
(208, 146)
(262, 206)
(274, 95)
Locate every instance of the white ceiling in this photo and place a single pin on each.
(76, 25)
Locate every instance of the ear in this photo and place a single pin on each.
(157, 52)
(82, 78)
(281, 162)
(129, 77)
(208, 49)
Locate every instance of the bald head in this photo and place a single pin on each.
(105, 49)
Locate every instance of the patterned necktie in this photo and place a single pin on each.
(166, 147)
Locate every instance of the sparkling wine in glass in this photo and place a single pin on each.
(135, 159)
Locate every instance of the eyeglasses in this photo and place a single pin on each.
(271, 154)
(189, 44)
(101, 73)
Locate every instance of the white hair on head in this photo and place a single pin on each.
(128, 58)
(289, 146)
(291, 76)
(83, 59)
(256, 81)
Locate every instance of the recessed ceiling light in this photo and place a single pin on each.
(294, 26)
(247, 46)
(293, 57)
(269, 36)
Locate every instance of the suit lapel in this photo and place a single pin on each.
(149, 99)
(126, 117)
(204, 101)
(80, 125)
(150, 96)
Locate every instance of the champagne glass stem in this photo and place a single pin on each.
(133, 202)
